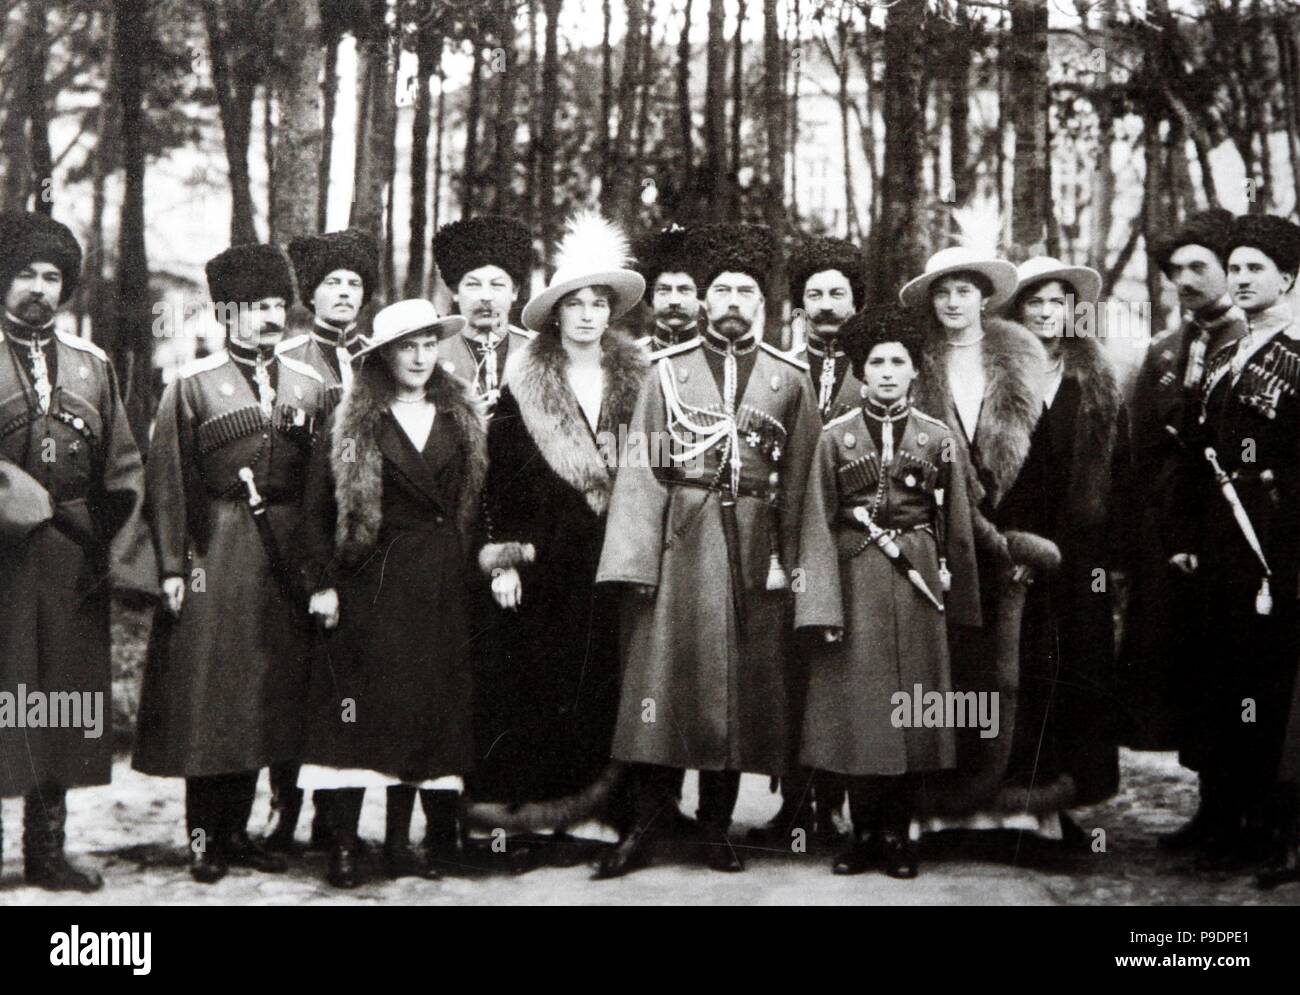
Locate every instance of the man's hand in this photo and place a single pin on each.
(832, 635)
(325, 605)
(1184, 563)
(507, 588)
(173, 594)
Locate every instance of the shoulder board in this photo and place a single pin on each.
(515, 330)
(196, 366)
(932, 420)
(288, 345)
(85, 345)
(842, 418)
(673, 350)
(774, 351)
(300, 367)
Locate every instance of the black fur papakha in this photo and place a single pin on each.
(488, 240)
(249, 272)
(317, 256)
(668, 250)
(1208, 228)
(727, 248)
(888, 322)
(816, 255)
(26, 238)
(1277, 238)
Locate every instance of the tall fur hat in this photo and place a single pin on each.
(816, 255)
(27, 237)
(489, 240)
(316, 256)
(724, 248)
(1208, 228)
(249, 272)
(1277, 238)
(872, 326)
(669, 250)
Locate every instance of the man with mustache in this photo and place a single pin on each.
(671, 288)
(71, 490)
(1160, 629)
(336, 275)
(700, 535)
(826, 289)
(225, 681)
(485, 262)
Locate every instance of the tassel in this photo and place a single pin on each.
(886, 442)
(776, 575)
(44, 391)
(827, 385)
(1264, 599)
(945, 575)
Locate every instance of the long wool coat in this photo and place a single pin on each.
(547, 678)
(1068, 712)
(225, 684)
(698, 691)
(387, 526)
(55, 585)
(893, 639)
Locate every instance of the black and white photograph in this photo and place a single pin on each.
(652, 453)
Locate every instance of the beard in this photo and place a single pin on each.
(35, 311)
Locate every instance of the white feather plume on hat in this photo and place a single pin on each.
(593, 251)
(978, 230)
(979, 227)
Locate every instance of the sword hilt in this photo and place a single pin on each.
(254, 498)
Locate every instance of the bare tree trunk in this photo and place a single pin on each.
(1031, 185)
(131, 345)
(1103, 189)
(714, 182)
(235, 86)
(329, 95)
(604, 141)
(852, 228)
(613, 193)
(534, 116)
(389, 279)
(300, 60)
(796, 72)
(960, 166)
(441, 128)
(375, 121)
(268, 153)
(774, 203)
(643, 113)
(737, 107)
(38, 125)
(1289, 67)
(428, 54)
(91, 295)
(897, 251)
(504, 152)
(547, 207)
(469, 163)
(684, 128)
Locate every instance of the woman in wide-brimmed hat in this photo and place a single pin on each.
(391, 498)
(548, 688)
(984, 376)
(1066, 727)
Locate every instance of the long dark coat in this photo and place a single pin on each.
(55, 586)
(225, 684)
(1159, 631)
(387, 526)
(1067, 721)
(700, 691)
(893, 639)
(547, 682)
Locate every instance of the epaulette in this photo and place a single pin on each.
(774, 351)
(289, 345)
(523, 331)
(930, 418)
(853, 413)
(300, 367)
(673, 350)
(201, 365)
(85, 345)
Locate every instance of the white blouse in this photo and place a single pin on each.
(416, 420)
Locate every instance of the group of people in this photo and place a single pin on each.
(533, 575)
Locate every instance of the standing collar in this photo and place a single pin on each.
(720, 343)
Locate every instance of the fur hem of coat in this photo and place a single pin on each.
(505, 556)
(357, 462)
(555, 420)
(1014, 362)
(557, 813)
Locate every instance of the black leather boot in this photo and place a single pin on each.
(45, 814)
(718, 792)
(239, 848)
(441, 831)
(400, 858)
(861, 855)
(320, 820)
(344, 807)
(286, 805)
(899, 855)
(202, 803)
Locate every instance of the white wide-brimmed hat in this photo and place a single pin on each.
(1085, 281)
(593, 252)
(409, 317)
(960, 258)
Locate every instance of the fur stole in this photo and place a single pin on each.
(1095, 428)
(357, 462)
(554, 419)
(1014, 362)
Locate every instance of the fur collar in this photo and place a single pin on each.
(554, 420)
(1095, 427)
(357, 460)
(1014, 363)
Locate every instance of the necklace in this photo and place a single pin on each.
(410, 400)
(962, 345)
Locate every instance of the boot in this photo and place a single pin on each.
(718, 792)
(631, 854)
(286, 804)
(344, 807)
(860, 856)
(240, 849)
(899, 855)
(45, 814)
(400, 858)
(320, 821)
(441, 832)
(207, 859)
